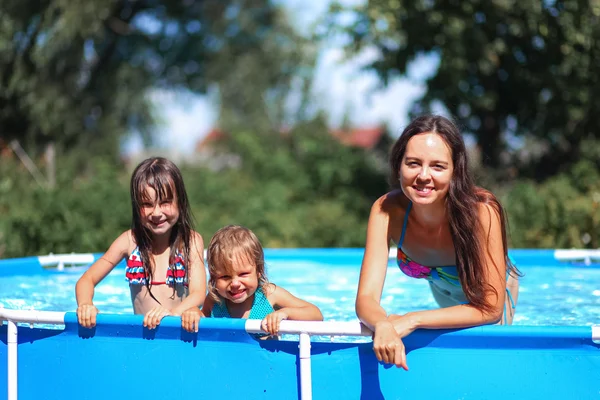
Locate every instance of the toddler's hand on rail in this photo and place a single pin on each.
(190, 319)
(388, 346)
(271, 322)
(154, 316)
(86, 315)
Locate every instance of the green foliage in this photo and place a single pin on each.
(296, 189)
(80, 215)
(77, 73)
(563, 212)
(519, 68)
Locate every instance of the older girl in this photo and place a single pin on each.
(165, 264)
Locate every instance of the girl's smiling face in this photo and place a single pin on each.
(159, 216)
(239, 282)
(426, 169)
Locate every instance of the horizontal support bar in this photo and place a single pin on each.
(53, 259)
(324, 328)
(586, 256)
(327, 328)
(33, 316)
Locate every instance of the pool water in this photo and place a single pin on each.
(548, 295)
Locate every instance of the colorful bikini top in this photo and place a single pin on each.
(260, 307)
(135, 273)
(413, 269)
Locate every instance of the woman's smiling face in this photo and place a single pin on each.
(426, 169)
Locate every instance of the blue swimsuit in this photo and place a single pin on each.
(444, 281)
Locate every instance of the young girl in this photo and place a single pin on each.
(447, 231)
(165, 265)
(238, 286)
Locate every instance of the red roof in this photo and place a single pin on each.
(211, 137)
(366, 138)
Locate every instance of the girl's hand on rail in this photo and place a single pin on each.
(154, 316)
(190, 319)
(86, 315)
(388, 346)
(271, 322)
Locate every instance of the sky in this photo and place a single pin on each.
(340, 87)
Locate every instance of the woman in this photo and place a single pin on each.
(447, 231)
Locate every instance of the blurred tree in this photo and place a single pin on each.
(507, 70)
(562, 212)
(299, 188)
(77, 72)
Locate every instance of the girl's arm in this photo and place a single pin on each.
(196, 277)
(463, 316)
(190, 318)
(207, 307)
(287, 306)
(386, 342)
(291, 306)
(84, 289)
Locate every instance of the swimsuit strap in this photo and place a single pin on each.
(404, 224)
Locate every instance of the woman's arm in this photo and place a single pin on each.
(84, 289)
(386, 343)
(494, 273)
(374, 268)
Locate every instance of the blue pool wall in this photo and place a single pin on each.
(119, 358)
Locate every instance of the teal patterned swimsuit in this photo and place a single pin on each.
(260, 307)
(444, 281)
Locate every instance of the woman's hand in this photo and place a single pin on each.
(403, 324)
(86, 315)
(190, 319)
(154, 316)
(271, 322)
(388, 346)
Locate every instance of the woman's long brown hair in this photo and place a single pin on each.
(462, 206)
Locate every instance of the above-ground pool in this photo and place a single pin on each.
(551, 351)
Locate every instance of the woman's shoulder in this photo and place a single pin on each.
(487, 203)
(391, 203)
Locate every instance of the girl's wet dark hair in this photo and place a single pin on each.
(462, 205)
(227, 246)
(164, 177)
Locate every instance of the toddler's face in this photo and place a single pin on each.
(238, 283)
